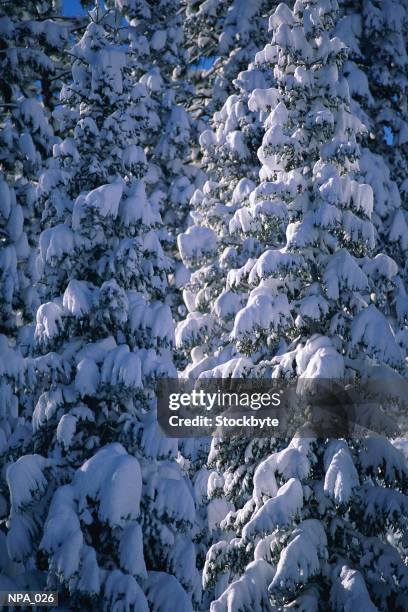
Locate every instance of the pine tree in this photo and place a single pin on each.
(30, 38)
(27, 39)
(222, 39)
(311, 524)
(157, 28)
(377, 75)
(214, 244)
(100, 507)
(210, 251)
(376, 34)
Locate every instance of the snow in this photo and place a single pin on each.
(56, 242)
(123, 367)
(372, 330)
(217, 510)
(349, 592)
(196, 242)
(158, 40)
(87, 378)
(105, 199)
(193, 328)
(276, 512)
(163, 591)
(248, 592)
(26, 479)
(273, 262)
(170, 495)
(113, 479)
(343, 272)
(48, 321)
(290, 463)
(62, 533)
(135, 208)
(77, 298)
(66, 430)
(131, 551)
(376, 452)
(263, 99)
(134, 156)
(341, 475)
(300, 559)
(122, 592)
(381, 265)
(282, 256)
(262, 312)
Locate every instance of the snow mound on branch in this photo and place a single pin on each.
(55, 242)
(217, 510)
(280, 510)
(135, 208)
(106, 199)
(26, 480)
(371, 329)
(169, 494)
(249, 592)
(87, 377)
(343, 272)
(318, 359)
(193, 329)
(131, 550)
(48, 321)
(196, 243)
(349, 592)
(263, 99)
(290, 463)
(343, 192)
(63, 537)
(238, 367)
(300, 559)
(271, 263)
(123, 593)
(113, 479)
(341, 475)
(66, 429)
(77, 298)
(379, 454)
(163, 591)
(262, 312)
(155, 319)
(381, 265)
(121, 366)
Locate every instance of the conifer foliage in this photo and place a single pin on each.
(101, 503)
(28, 37)
(268, 191)
(222, 38)
(316, 306)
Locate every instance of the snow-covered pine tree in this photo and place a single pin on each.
(157, 29)
(314, 532)
(377, 35)
(211, 247)
(27, 37)
(100, 507)
(377, 73)
(210, 251)
(222, 38)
